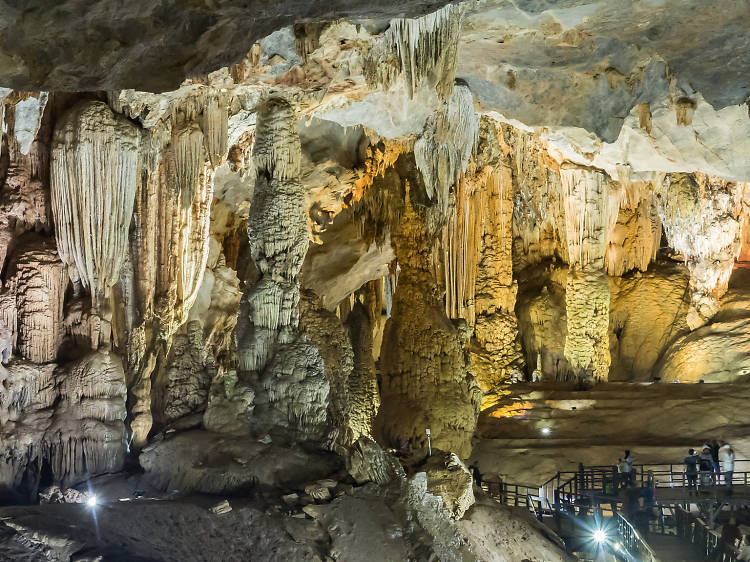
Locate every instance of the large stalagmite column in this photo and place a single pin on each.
(587, 218)
(282, 367)
(424, 363)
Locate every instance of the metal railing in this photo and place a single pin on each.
(694, 530)
(633, 542)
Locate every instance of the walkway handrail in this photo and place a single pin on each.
(632, 540)
(697, 532)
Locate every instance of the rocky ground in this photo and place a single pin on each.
(324, 520)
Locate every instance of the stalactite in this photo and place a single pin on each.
(633, 241)
(421, 49)
(442, 152)
(187, 143)
(702, 220)
(478, 262)
(214, 125)
(94, 171)
(587, 215)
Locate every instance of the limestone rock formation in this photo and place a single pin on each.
(449, 478)
(94, 171)
(283, 367)
(426, 380)
(274, 278)
(62, 422)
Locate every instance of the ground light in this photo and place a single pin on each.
(546, 431)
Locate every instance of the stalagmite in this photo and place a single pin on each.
(587, 309)
(424, 364)
(283, 367)
(589, 216)
(93, 182)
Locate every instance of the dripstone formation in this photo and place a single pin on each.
(265, 262)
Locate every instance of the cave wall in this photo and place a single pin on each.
(336, 238)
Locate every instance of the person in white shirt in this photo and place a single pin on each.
(726, 458)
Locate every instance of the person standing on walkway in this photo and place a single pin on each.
(726, 458)
(715, 460)
(691, 471)
(641, 518)
(476, 474)
(629, 460)
(623, 473)
(705, 467)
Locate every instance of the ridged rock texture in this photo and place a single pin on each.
(282, 366)
(359, 230)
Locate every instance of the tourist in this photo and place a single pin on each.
(630, 473)
(730, 532)
(623, 470)
(691, 470)
(641, 518)
(726, 457)
(476, 474)
(715, 459)
(706, 467)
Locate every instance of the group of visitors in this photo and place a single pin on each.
(715, 459)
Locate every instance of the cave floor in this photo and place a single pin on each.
(658, 422)
(181, 529)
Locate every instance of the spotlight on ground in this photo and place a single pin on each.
(546, 431)
(600, 536)
(91, 501)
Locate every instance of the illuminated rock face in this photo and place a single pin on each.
(360, 231)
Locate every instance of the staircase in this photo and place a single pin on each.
(670, 548)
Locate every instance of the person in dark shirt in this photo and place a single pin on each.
(715, 459)
(641, 518)
(691, 470)
(476, 474)
(730, 532)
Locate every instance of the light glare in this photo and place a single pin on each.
(600, 535)
(91, 501)
(545, 430)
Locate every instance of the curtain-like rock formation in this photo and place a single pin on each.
(420, 49)
(94, 174)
